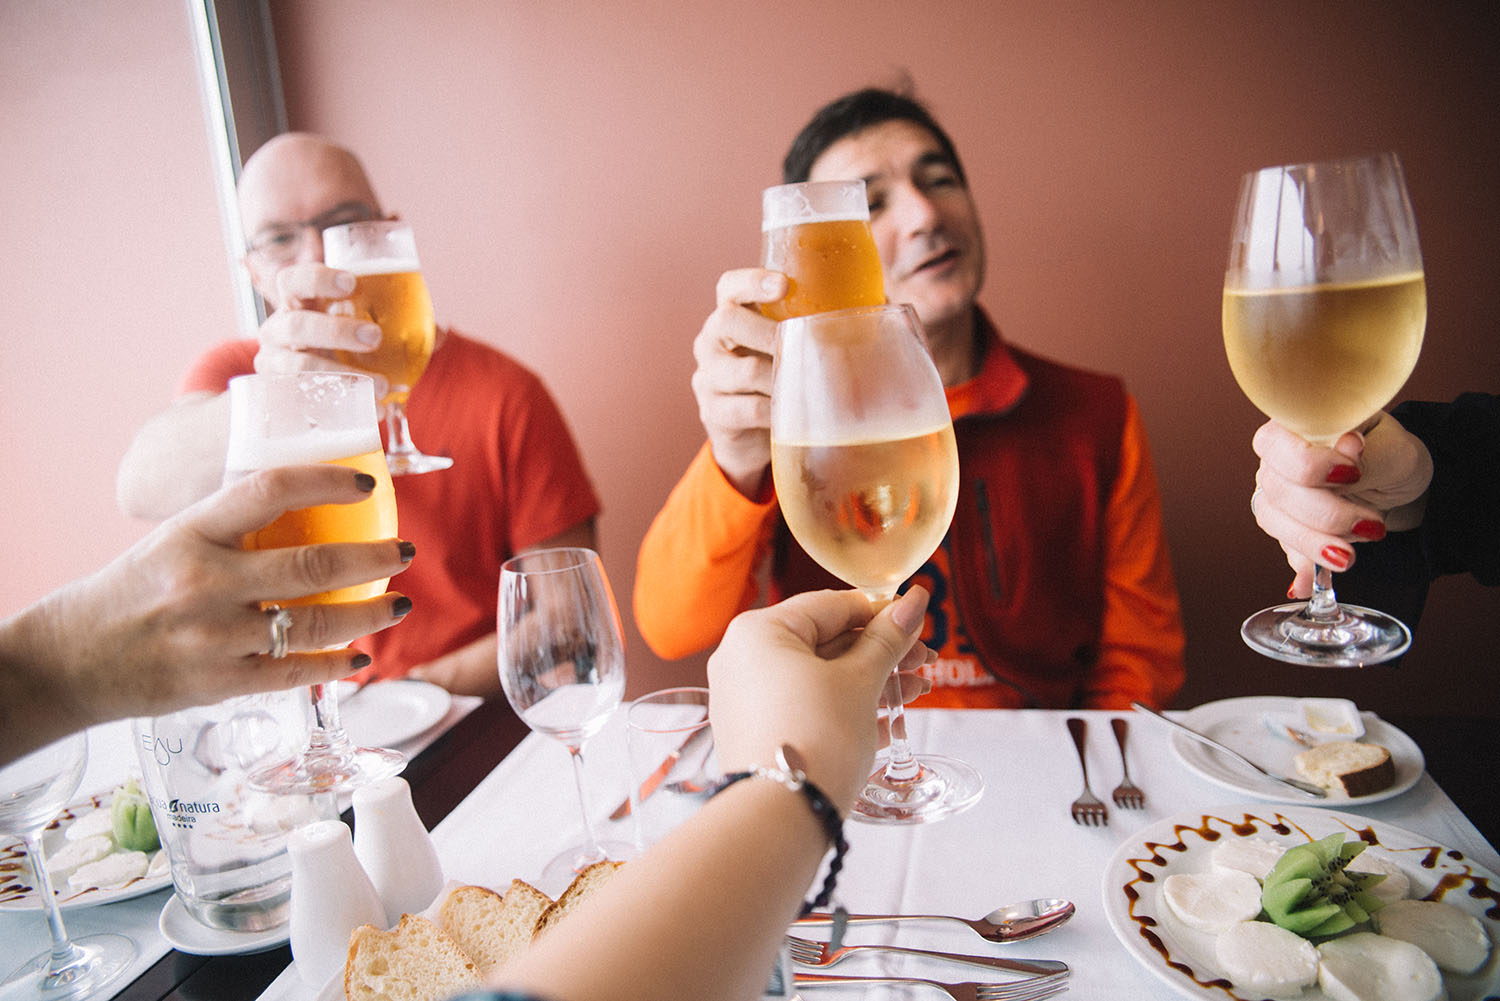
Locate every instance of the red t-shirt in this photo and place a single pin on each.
(516, 480)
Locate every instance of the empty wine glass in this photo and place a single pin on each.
(866, 472)
(1325, 305)
(33, 791)
(562, 665)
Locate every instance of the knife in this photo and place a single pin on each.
(661, 771)
(1303, 787)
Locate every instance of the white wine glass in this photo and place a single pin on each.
(1325, 306)
(562, 666)
(866, 472)
(389, 290)
(33, 791)
(309, 417)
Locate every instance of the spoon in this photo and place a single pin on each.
(1010, 923)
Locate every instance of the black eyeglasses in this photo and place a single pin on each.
(280, 243)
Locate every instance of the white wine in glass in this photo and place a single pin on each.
(866, 473)
(33, 791)
(1325, 305)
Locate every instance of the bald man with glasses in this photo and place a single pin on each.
(517, 481)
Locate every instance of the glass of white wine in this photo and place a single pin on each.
(866, 472)
(1325, 306)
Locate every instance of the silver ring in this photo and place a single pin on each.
(280, 620)
(1254, 494)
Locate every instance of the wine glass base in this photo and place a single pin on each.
(1356, 637)
(105, 957)
(558, 873)
(415, 463)
(310, 774)
(943, 786)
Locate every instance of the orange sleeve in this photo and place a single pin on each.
(1141, 639)
(697, 565)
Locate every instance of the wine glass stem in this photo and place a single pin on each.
(397, 430)
(1323, 606)
(576, 753)
(64, 952)
(900, 765)
(328, 730)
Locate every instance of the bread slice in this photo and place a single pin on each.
(490, 928)
(1350, 767)
(416, 961)
(584, 885)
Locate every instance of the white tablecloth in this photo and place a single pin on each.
(1018, 842)
(111, 759)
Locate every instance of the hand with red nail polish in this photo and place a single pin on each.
(1317, 500)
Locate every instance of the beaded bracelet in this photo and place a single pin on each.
(789, 775)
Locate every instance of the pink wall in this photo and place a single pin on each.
(580, 176)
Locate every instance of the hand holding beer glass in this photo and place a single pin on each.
(308, 417)
(817, 233)
(866, 472)
(1325, 305)
(390, 292)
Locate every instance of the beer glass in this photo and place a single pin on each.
(1325, 306)
(562, 665)
(817, 233)
(307, 417)
(389, 291)
(33, 791)
(866, 473)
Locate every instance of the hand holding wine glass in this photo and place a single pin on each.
(866, 471)
(33, 790)
(1325, 305)
(562, 666)
(390, 291)
(284, 420)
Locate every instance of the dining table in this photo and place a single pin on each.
(500, 801)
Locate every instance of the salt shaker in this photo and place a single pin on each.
(331, 896)
(394, 847)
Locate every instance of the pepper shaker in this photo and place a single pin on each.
(395, 849)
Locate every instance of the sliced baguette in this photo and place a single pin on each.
(490, 928)
(416, 961)
(584, 885)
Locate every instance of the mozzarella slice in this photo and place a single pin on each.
(1369, 967)
(1213, 901)
(1265, 958)
(1455, 940)
(62, 863)
(110, 871)
(1396, 884)
(1256, 856)
(89, 825)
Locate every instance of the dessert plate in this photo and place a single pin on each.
(1240, 723)
(17, 892)
(1184, 958)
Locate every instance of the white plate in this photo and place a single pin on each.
(1184, 958)
(187, 934)
(385, 713)
(17, 892)
(1240, 724)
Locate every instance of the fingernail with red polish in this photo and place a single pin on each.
(1369, 530)
(1291, 592)
(1341, 475)
(1335, 558)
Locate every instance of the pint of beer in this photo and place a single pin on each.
(309, 417)
(389, 291)
(817, 233)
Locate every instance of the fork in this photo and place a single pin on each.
(1087, 808)
(813, 953)
(1034, 989)
(1127, 794)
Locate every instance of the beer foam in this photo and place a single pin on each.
(805, 215)
(314, 445)
(380, 266)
